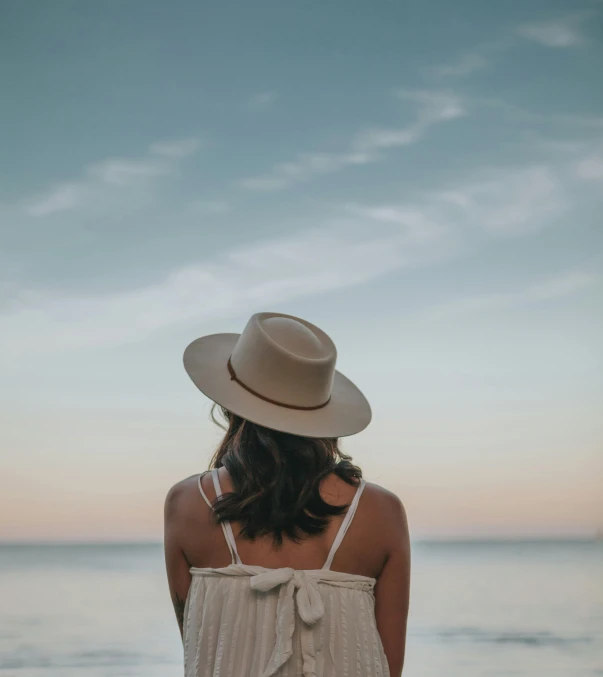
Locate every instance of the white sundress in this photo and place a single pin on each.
(252, 621)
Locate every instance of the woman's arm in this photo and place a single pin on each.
(392, 591)
(179, 577)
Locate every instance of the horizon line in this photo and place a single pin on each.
(464, 540)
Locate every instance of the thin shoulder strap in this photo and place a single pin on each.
(228, 534)
(201, 476)
(226, 528)
(347, 520)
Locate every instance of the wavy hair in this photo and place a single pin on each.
(276, 478)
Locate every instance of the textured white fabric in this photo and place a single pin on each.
(251, 621)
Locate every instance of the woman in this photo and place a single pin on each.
(282, 560)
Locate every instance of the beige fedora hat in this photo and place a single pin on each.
(279, 373)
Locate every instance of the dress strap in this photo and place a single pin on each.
(201, 476)
(347, 520)
(226, 528)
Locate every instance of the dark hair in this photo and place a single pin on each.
(276, 478)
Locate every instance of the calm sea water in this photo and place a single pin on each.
(477, 609)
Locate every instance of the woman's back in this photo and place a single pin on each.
(253, 609)
(299, 609)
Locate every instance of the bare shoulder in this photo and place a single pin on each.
(182, 497)
(387, 505)
(384, 496)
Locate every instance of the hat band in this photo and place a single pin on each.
(233, 377)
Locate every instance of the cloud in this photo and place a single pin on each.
(100, 180)
(339, 255)
(263, 100)
(561, 286)
(572, 120)
(434, 105)
(561, 32)
(304, 167)
(420, 224)
(369, 240)
(509, 201)
(557, 33)
(590, 168)
(178, 148)
(209, 207)
(468, 64)
(479, 58)
(586, 121)
(367, 146)
(63, 197)
(124, 172)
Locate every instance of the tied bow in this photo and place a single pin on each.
(296, 589)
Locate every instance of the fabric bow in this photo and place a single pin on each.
(310, 608)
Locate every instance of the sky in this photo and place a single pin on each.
(422, 180)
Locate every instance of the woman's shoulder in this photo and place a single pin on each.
(384, 497)
(384, 525)
(182, 496)
(384, 507)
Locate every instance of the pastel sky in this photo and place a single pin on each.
(423, 180)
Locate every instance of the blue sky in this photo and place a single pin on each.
(422, 180)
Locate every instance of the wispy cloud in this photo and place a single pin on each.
(179, 148)
(63, 197)
(339, 255)
(367, 242)
(263, 100)
(560, 32)
(590, 168)
(209, 207)
(433, 105)
(564, 285)
(509, 201)
(125, 172)
(477, 59)
(546, 118)
(557, 33)
(304, 167)
(367, 146)
(586, 121)
(467, 64)
(98, 180)
(420, 223)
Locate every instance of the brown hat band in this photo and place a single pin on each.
(233, 377)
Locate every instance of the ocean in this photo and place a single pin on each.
(477, 609)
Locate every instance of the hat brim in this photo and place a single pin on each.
(347, 412)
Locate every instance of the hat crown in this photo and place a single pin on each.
(293, 336)
(286, 360)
